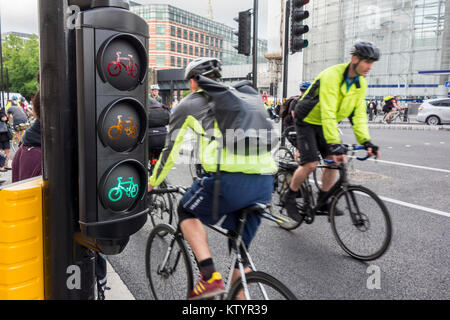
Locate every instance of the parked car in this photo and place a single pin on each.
(435, 111)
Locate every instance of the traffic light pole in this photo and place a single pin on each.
(255, 44)
(286, 61)
(69, 267)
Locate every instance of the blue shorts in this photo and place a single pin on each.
(238, 191)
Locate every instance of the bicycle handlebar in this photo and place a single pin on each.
(351, 148)
(174, 189)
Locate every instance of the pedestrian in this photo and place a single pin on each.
(371, 108)
(27, 162)
(155, 93)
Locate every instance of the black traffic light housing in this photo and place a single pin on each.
(112, 62)
(244, 32)
(298, 28)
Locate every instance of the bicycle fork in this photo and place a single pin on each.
(163, 266)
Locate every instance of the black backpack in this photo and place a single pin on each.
(241, 116)
(158, 114)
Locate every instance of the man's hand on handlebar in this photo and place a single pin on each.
(150, 188)
(338, 153)
(372, 149)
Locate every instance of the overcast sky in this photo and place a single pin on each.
(21, 15)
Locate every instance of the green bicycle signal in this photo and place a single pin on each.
(130, 189)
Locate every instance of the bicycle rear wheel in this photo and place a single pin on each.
(167, 264)
(261, 286)
(282, 181)
(283, 153)
(365, 230)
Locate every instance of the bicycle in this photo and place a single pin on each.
(171, 264)
(356, 202)
(400, 115)
(116, 131)
(115, 67)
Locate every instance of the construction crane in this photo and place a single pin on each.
(210, 10)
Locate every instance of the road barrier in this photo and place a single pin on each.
(21, 241)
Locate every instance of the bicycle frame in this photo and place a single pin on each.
(341, 184)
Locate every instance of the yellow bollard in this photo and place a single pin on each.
(21, 241)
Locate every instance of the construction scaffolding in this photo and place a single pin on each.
(413, 35)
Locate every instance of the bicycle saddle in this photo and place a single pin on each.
(288, 165)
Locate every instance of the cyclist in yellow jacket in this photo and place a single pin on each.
(338, 92)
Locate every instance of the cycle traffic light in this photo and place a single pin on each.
(298, 28)
(112, 62)
(244, 32)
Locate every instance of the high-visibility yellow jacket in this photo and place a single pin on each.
(194, 113)
(329, 101)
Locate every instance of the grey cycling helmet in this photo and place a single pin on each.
(366, 50)
(204, 66)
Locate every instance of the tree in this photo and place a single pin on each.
(21, 58)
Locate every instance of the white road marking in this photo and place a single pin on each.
(415, 206)
(406, 204)
(410, 165)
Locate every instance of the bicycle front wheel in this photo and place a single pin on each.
(261, 286)
(365, 229)
(168, 265)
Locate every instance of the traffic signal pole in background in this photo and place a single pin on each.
(244, 34)
(294, 31)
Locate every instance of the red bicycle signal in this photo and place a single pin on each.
(115, 67)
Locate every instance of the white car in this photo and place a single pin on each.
(435, 112)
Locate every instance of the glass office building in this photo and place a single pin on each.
(177, 37)
(413, 35)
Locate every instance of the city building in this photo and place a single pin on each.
(23, 36)
(413, 35)
(177, 37)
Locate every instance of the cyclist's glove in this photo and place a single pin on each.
(337, 149)
(369, 144)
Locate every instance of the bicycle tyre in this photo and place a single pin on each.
(161, 208)
(283, 153)
(364, 224)
(257, 277)
(154, 255)
(276, 206)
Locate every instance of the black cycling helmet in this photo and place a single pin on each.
(366, 50)
(204, 66)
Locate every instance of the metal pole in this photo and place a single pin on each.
(7, 84)
(286, 61)
(255, 44)
(1, 62)
(286, 49)
(69, 267)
